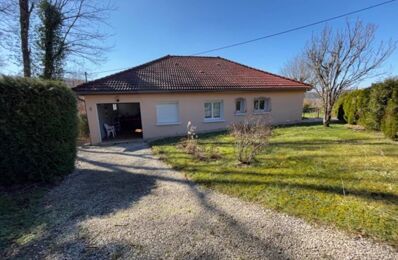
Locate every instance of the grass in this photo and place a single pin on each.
(334, 176)
(312, 115)
(19, 222)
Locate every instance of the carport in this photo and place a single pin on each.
(119, 121)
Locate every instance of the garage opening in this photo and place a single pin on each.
(120, 121)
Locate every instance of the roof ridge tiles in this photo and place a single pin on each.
(162, 75)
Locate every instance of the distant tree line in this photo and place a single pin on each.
(374, 108)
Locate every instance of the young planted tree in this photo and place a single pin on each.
(339, 60)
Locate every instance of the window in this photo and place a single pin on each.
(167, 113)
(214, 110)
(262, 105)
(240, 106)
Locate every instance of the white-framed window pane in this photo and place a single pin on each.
(214, 110)
(240, 105)
(261, 104)
(267, 105)
(167, 113)
(256, 104)
(208, 110)
(217, 110)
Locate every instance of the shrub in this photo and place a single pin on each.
(379, 96)
(352, 106)
(338, 109)
(362, 108)
(38, 130)
(251, 137)
(389, 123)
(84, 131)
(191, 146)
(373, 108)
(307, 108)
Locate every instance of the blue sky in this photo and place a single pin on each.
(147, 29)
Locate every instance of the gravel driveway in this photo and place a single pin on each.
(124, 203)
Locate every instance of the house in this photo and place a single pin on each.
(158, 98)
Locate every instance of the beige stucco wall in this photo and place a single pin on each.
(286, 107)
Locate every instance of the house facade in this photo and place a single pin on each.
(157, 99)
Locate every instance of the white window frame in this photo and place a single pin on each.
(177, 122)
(267, 105)
(212, 118)
(243, 110)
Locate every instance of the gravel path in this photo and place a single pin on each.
(124, 203)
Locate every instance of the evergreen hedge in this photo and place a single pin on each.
(389, 124)
(38, 130)
(374, 108)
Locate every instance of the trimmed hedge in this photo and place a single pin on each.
(389, 124)
(374, 108)
(38, 130)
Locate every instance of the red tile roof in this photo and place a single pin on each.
(189, 74)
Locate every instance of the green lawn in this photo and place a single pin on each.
(305, 172)
(18, 215)
(312, 115)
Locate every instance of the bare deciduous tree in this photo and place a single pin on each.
(76, 35)
(339, 60)
(297, 69)
(5, 6)
(80, 37)
(25, 11)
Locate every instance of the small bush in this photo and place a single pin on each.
(251, 137)
(84, 131)
(307, 108)
(191, 146)
(38, 130)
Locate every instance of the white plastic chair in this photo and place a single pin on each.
(110, 129)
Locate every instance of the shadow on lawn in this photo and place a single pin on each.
(91, 193)
(338, 190)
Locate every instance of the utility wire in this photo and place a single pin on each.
(295, 28)
(278, 33)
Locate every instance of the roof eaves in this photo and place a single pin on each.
(218, 89)
(123, 71)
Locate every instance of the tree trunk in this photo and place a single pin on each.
(327, 116)
(24, 18)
